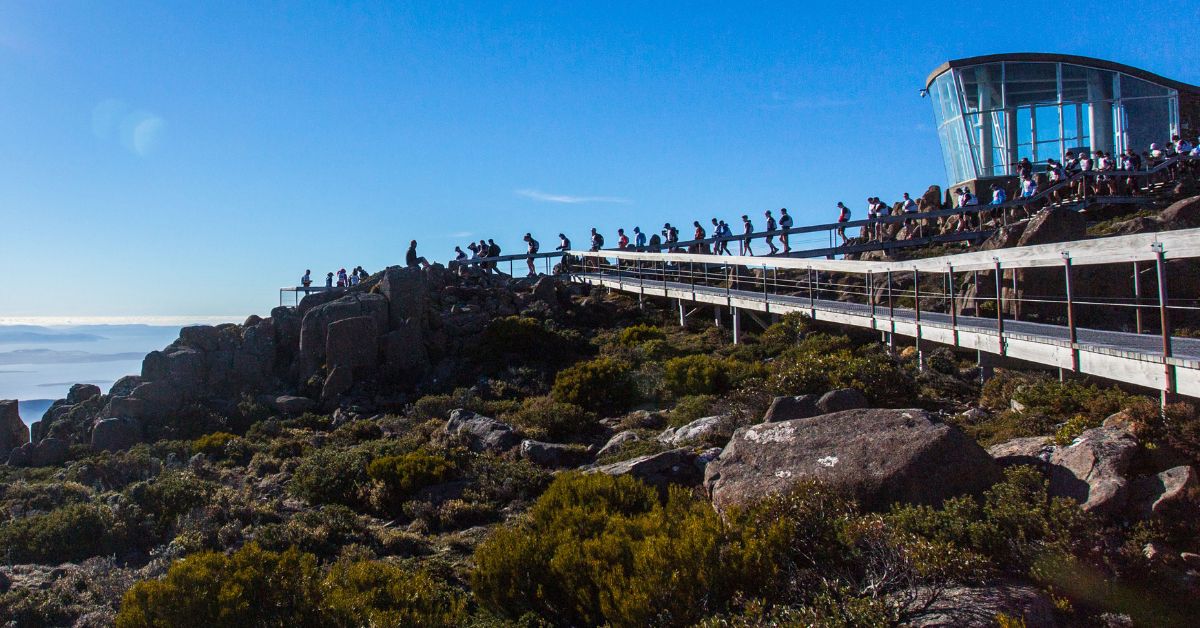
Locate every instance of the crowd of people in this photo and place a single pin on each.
(1111, 174)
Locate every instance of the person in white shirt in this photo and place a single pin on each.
(785, 223)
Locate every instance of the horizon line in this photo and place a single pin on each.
(164, 321)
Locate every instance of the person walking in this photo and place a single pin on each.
(639, 239)
(785, 224)
(412, 260)
(771, 227)
(329, 280)
(306, 280)
(531, 249)
(843, 217)
(726, 234)
(493, 251)
(747, 229)
(698, 234)
(622, 239)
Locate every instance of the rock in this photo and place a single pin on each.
(1141, 224)
(1154, 494)
(1034, 450)
(932, 199)
(1181, 214)
(979, 606)
(407, 296)
(1124, 420)
(1092, 469)
(617, 442)
(1190, 559)
(339, 380)
(49, 452)
(1155, 551)
(315, 325)
(294, 406)
(116, 434)
(552, 455)
(791, 408)
(481, 433)
(880, 456)
(842, 399)
(1016, 406)
(21, 456)
(546, 291)
(694, 431)
(660, 470)
(353, 342)
(1054, 225)
(125, 386)
(13, 431)
(200, 337)
(404, 354)
(82, 392)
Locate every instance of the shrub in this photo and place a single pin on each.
(66, 534)
(543, 417)
(373, 593)
(331, 476)
(500, 481)
(212, 444)
(690, 408)
(323, 531)
(600, 385)
(637, 334)
(169, 496)
(522, 339)
(251, 587)
(821, 366)
(786, 333)
(401, 476)
(697, 375)
(599, 549)
(1014, 524)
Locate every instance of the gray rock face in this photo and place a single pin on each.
(1152, 495)
(1092, 470)
(791, 408)
(339, 380)
(692, 432)
(617, 442)
(660, 470)
(125, 386)
(842, 399)
(13, 431)
(551, 455)
(294, 406)
(1182, 214)
(116, 434)
(1034, 450)
(353, 342)
(48, 452)
(404, 354)
(977, 607)
(314, 328)
(880, 456)
(481, 433)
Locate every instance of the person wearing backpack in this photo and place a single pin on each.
(747, 229)
(531, 248)
(785, 223)
(771, 226)
(843, 217)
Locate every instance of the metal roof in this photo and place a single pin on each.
(1059, 58)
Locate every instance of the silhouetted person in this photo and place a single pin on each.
(412, 259)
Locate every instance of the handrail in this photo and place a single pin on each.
(1107, 250)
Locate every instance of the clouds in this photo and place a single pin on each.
(138, 130)
(545, 197)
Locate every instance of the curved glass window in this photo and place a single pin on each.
(991, 115)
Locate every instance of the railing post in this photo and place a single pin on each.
(1165, 321)
(812, 304)
(999, 304)
(1137, 297)
(953, 305)
(917, 316)
(765, 299)
(1070, 311)
(871, 295)
(891, 304)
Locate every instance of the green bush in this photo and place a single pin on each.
(66, 534)
(597, 549)
(697, 375)
(401, 476)
(544, 418)
(823, 365)
(167, 497)
(324, 531)
(522, 339)
(786, 333)
(599, 385)
(690, 408)
(1015, 523)
(212, 444)
(637, 334)
(374, 593)
(331, 476)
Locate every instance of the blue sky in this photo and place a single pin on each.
(188, 158)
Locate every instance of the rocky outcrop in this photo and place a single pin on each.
(1032, 450)
(1155, 494)
(791, 408)
(1093, 469)
(618, 441)
(13, 432)
(292, 405)
(481, 433)
(841, 399)
(677, 466)
(47, 452)
(880, 456)
(552, 455)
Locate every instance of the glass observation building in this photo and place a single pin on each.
(992, 111)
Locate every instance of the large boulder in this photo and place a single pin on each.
(1092, 470)
(116, 434)
(1054, 225)
(791, 408)
(880, 456)
(1181, 214)
(978, 606)
(353, 342)
(404, 354)
(80, 393)
(339, 380)
(1154, 494)
(481, 433)
(1033, 450)
(552, 455)
(314, 328)
(618, 441)
(294, 406)
(842, 399)
(677, 466)
(13, 431)
(692, 432)
(407, 296)
(49, 452)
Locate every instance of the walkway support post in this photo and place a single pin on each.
(1165, 321)
(1137, 297)
(891, 313)
(737, 325)
(999, 304)
(953, 304)
(1070, 311)
(812, 304)
(917, 317)
(682, 314)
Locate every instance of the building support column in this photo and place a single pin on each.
(737, 325)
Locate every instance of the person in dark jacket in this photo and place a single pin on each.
(412, 259)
